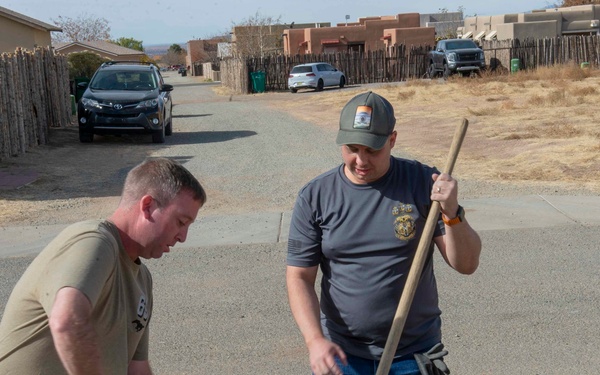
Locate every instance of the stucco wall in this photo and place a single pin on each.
(15, 34)
(414, 36)
(534, 30)
(369, 33)
(346, 35)
(543, 16)
(540, 16)
(504, 18)
(195, 52)
(484, 23)
(292, 41)
(470, 24)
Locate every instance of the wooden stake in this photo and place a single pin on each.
(419, 261)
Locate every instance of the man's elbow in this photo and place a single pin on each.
(59, 324)
(139, 368)
(468, 268)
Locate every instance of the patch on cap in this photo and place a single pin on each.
(362, 119)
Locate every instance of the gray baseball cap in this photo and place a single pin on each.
(368, 120)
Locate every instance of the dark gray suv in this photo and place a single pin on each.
(455, 56)
(125, 97)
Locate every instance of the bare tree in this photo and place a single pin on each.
(258, 35)
(448, 28)
(571, 3)
(81, 29)
(173, 57)
(209, 52)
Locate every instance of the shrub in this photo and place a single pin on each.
(84, 64)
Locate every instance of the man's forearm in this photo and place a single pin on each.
(304, 305)
(463, 247)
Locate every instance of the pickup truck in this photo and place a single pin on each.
(455, 56)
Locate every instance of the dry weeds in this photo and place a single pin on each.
(524, 127)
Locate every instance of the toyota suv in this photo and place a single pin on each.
(125, 97)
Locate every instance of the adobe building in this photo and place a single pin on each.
(367, 34)
(260, 40)
(445, 23)
(545, 23)
(198, 52)
(20, 31)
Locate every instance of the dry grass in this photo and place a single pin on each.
(528, 126)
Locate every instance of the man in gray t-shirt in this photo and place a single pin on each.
(361, 223)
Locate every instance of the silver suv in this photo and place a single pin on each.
(316, 76)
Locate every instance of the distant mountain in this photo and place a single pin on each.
(160, 49)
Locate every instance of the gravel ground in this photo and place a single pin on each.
(248, 161)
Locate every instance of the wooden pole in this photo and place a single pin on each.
(419, 261)
(4, 131)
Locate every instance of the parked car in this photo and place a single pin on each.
(125, 97)
(455, 56)
(316, 76)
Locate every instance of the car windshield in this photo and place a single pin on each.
(123, 80)
(302, 69)
(460, 44)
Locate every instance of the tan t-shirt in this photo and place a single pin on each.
(90, 257)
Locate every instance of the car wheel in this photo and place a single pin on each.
(342, 82)
(86, 137)
(432, 73)
(169, 128)
(159, 136)
(446, 71)
(294, 91)
(320, 85)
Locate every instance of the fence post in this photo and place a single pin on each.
(30, 100)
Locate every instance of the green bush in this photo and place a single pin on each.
(84, 64)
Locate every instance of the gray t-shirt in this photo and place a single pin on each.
(364, 237)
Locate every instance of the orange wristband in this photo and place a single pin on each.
(460, 215)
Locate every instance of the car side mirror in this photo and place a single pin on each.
(82, 85)
(166, 87)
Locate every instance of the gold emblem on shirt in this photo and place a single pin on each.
(404, 225)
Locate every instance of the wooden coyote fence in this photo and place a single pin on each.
(392, 65)
(400, 63)
(533, 53)
(34, 96)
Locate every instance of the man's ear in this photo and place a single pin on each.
(393, 139)
(147, 206)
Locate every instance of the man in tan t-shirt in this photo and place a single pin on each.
(84, 304)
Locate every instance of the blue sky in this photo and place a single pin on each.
(167, 22)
